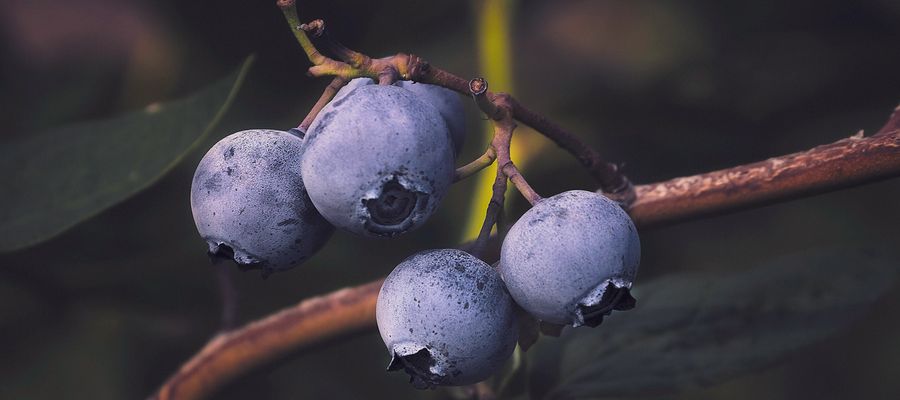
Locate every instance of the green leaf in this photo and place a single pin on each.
(56, 179)
(704, 329)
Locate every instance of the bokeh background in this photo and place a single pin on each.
(110, 308)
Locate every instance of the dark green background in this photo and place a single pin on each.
(111, 307)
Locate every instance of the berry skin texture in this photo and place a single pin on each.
(349, 87)
(448, 103)
(446, 318)
(377, 161)
(250, 204)
(571, 259)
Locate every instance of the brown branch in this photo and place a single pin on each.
(312, 321)
(846, 163)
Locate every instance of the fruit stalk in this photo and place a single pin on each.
(336, 84)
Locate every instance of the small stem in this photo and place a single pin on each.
(336, 84)
(388, 76)
(476, 165)
(611, 179)
(354, 58)
(229, 295)
(290, 13)
(494, 208)
(509, 169)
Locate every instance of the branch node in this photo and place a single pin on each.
(478, 89)
(316, 28)
(388, 75)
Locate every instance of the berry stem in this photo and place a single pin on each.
(317, 29)
(228, 291)
(336, 84)
(509, 169)
(491, 215)
(290, 13)
(476, 165)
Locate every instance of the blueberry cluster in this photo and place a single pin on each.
(447, 318)
(376, 161)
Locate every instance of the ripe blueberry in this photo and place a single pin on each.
(446, 319)
(377, 161)
(571, 259)
(250, 204)
(349, 87)
(448, 103)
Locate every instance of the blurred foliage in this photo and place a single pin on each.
(70, 174)
(700, 329)
(109, 308)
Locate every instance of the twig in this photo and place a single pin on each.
(846, 163)
(478, 88)
(509, 169)
(480, 163)
(312, 321)
(497, 108)
(225, 281)
(336, 84)
(491, 215)
(320, 35)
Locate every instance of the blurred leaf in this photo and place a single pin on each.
(85, 353)
(59, 178)
(703, 329)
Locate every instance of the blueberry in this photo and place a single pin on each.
(448, 103)
(377, 161)
(446, 319)
(250, 204)
(571, 259)
(350, 87)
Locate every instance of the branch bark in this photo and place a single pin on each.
(845, 163)
(312, 321)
